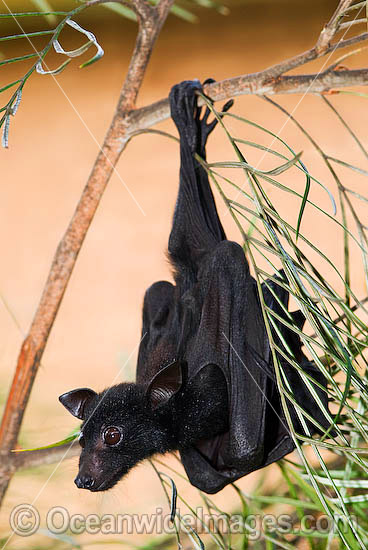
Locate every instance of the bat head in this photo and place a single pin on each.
(123, 425)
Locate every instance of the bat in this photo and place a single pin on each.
(205, 382)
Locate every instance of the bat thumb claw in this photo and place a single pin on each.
(208, 81)
(228, 105)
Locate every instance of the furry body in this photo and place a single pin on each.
(205, 379)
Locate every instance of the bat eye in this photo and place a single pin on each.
(82, 441)
(112, 435)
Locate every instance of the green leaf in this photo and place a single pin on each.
(91, 37)
(242, 164)
(68, 439)
(11, 15)
(71, 53)
(5, 136)
(10, 85)
(44, 6)
(121, 10)
(302, 207)
(21, 58)
(220, 8)
(182, 13)
(27, 35)
(275, 136)
(58, 70)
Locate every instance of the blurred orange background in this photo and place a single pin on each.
(54, 140)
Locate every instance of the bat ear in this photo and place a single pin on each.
(166, 383)
(75, 401)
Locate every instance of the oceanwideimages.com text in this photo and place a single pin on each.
(25, 520)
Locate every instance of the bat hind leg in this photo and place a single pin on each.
(196, 228)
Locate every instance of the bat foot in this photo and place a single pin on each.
(188, 116)
(184, 108)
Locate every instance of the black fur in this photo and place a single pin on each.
(205, 378)
(185, 418)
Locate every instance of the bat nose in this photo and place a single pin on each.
(84, 482)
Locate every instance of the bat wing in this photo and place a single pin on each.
(159, 339)
(232, 335)
(301, 393)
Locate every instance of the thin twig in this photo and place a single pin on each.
(332, 27)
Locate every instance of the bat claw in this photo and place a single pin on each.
(187, 115)
(209, 81)
(208, 128)
(228, 105)
(206, 115)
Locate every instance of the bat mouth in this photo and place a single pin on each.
(105, 484)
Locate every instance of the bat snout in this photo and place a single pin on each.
(85, 482)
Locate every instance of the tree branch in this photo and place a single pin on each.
(332, 27)
(30, 459)
(148, 116)
(268, 82)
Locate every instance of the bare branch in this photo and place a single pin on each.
(30, 459)
(310, 55)
(332, 27)
(150, 115)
